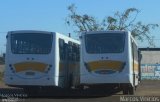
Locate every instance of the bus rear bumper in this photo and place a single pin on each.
(105, 79)
(17, 81)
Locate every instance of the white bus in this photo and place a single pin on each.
(41, 58)
(109, 58)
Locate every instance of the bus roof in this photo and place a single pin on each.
(27, 31)
(45, 32)
(107, 31)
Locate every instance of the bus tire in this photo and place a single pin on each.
(131, 90)
(81, 87)
(125, 91)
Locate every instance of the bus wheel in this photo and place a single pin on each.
(70, 82)
(131, 90)
(125, 91)
(31, 90)
(80, 87)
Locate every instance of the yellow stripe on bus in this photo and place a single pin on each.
(105, 65)
(136, 66)
(35, 66)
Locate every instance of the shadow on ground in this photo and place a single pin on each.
(57, 93)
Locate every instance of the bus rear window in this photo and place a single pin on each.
(105, 43)
(31, 43)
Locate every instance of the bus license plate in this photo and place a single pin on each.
(30, 73)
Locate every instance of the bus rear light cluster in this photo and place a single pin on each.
(11, 78)
(12, 69)
(10, 65)
(49, 68)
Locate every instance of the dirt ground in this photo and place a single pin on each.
(147, 89)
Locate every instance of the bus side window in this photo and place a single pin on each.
(135, 52)
(73, 51)
(70, 51)
(76, 52)
(62, 49)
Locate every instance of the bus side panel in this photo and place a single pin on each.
(60, 61)
(7, 72)
(68, 62)
(134, 65)
(130, 60)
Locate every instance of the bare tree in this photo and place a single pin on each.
(119, 21)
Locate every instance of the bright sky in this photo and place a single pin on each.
(49, 15)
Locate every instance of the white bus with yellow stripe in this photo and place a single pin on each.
(110, 58)
(41, 58)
